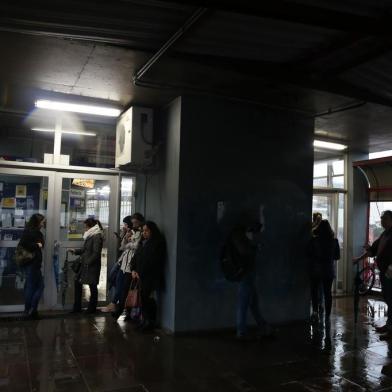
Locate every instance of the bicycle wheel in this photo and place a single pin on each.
(367, 276)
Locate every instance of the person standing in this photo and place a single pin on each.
(129, 247)
(381, 249)
(90, 265)
(242, 247)
(323, 252)
(115, 278)
(147, 266)
(33, 241)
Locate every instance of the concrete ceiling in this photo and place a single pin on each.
(311, 63)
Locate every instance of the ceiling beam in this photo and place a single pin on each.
(286, 74)
(298, 13)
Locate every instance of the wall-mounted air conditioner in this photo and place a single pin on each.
(134, 137)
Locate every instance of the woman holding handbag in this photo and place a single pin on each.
(90, 265)
(32, 240)
(147, 267)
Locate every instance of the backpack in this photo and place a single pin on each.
(231, 262)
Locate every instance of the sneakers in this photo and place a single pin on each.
(109, 308)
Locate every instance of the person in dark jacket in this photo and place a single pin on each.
(382, 250)
(323, 252)
(33, 240)
(147, 266)
(244, 245)
(90, 268)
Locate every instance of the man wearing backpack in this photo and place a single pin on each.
(240, 253)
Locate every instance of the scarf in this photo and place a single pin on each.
(92, 231)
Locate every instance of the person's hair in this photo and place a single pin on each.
(155, 232)
(138, 216)
(91, 222)
(324, 231)
(317, 215)
(387, 213)
(35, 221)
(128, 220)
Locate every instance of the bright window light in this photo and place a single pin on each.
(76, 108)
(380, 154)
(329, 145)
(65, 131)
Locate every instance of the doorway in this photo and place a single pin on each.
(66, 199)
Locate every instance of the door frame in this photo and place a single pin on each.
(55, 176)
(50, 295)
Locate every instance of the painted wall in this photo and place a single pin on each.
(246, 158)
(162, 201)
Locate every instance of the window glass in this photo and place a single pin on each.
(338, 182)
(21, 197)
(94, 150)
(338, 167)
(127, 201)
(320, 182)
(320, 169)
(25, 145)
(329, 174)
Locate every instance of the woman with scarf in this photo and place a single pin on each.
(90, 265)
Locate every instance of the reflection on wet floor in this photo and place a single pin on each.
(95, 354)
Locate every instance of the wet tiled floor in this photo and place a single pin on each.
(94, 354)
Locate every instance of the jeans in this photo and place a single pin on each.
(386, 287)
(321, 286)
(247, 298)
(118, 289)
(33, 289)
(92, 305)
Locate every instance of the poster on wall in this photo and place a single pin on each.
(8, 202)
(21, 191)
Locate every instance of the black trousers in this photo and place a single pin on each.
(321, 284)
(149, 306)
(92, 305)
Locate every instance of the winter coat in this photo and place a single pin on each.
(322, 255)
(90, 258)
(382, 249)
(28, 241)
(148, 262)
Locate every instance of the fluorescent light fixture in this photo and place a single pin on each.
(380, 154)
(76, 108)
(329, 145)
(65, 131)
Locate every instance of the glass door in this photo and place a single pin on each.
(78, 197)
(22, 194)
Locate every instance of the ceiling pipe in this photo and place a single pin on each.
(341, 109)
(168, 44)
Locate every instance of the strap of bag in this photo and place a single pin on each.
(135, 284)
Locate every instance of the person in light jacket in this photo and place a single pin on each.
(90, 268)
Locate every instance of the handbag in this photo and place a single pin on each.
(23, 256)
(133, 297)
